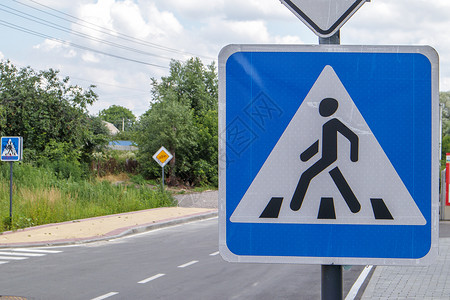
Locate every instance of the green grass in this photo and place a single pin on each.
(40, 197)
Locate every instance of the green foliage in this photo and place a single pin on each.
(44, 109)
(41, 197)
(125, 135)
(444, 99)
(96, 138)
(138, 179)
(62, 159)
(169, 123)
(114, 162)
(2, 120)
(207, 127)
(55, 151)
(191, 83)
(118, 115)
(183, 118)
(445, 146)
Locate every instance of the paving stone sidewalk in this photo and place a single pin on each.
(424, 282)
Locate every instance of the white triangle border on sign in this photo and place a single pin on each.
(372, 176)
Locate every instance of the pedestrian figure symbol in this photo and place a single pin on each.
(330, 130)
(9, 149)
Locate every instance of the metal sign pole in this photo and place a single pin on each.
(335, 39)
(331, 281)
(331, 287)
(162, 181)
(10, 190)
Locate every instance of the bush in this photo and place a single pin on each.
(66, 169)
(114, 162)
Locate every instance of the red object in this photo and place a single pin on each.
(447, 179)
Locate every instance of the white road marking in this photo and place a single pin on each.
(12, 257)
(152, 278)
(105, 296)
(3, 262)
(188, 264)
(21, 254)
(214, 253)
(358, 283)
(37, 251)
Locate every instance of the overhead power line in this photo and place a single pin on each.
(76, 33)
(35, 33)
(110, 84)
(109, 32)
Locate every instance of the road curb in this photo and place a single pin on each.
(119, 232)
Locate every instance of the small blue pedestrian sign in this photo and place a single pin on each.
(328, 155)
(11, 148)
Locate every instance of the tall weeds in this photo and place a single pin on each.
(41, 197)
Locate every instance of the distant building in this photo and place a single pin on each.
(111, 128)
(122, 146)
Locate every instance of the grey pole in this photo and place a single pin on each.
(162, 181)
(332, 40)
(10, 190)
(332, 284)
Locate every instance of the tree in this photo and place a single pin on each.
(118, 115)
(96, 139)
(2, 119)
(49, 113)
(169, 124)
(192, 83)
(444, 99)
(183, 118)
(205, 167)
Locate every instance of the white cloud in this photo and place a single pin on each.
(193, 8)
(90, 57)
(48, 45)
(96, 13)
(231, 9)
(404, 22)
(255, 9)
(161, 23)
(143, 21)
(202, 28)
(52, 46)
(127, 18)
(445, 84)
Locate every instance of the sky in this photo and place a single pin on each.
(119, 45)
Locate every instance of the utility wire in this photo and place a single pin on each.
(32, 32)
(109, 84)
(106, 31)
(76, 33)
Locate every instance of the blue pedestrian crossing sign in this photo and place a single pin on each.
(328, 154)
(11, 148)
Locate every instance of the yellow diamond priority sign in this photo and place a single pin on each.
(162, 156)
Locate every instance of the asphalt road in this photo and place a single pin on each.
(179, 262)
